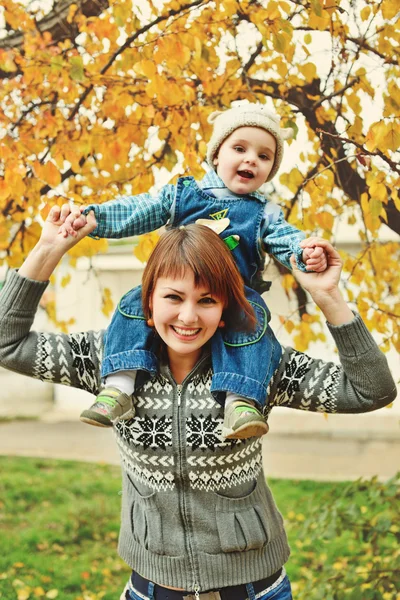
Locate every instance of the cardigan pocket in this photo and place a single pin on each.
(146, 520)
(241, 522)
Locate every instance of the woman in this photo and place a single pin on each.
(198, 520)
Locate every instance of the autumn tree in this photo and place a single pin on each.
(97, 96)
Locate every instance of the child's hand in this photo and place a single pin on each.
(314, 255)
(75, 221)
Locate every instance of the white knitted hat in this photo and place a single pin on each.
(246, 115)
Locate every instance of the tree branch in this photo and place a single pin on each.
(392, 164)
(55, 22)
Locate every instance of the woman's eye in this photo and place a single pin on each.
(173, 297)
(208, 300)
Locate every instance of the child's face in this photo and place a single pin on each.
(185, 316)
(245, 159)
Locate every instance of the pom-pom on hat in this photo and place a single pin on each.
(247, 115)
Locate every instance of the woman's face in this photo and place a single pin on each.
(185, 316)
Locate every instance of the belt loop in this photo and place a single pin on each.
(250, 591)
(150, 590)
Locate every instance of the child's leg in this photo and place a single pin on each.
(115, 401)
(123, 381)
(128, 360)
(243, 365)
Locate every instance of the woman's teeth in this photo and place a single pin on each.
(187, 332)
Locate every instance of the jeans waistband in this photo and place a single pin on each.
(233, 592)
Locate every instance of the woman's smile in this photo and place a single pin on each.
(185, 333)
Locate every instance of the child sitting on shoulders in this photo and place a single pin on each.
(244, 152)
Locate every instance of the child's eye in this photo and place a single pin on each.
(264, 156)
(239, 148)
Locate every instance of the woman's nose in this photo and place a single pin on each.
(188, 313)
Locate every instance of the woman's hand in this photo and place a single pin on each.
(53, 229)
(51, 247)
(324, 286)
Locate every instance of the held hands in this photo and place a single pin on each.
(51, 247)
(74, 221)
(323, 286)
(314, 256)
(324, 283)
(54, 232)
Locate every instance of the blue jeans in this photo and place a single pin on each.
(280, 590)
(243, 363)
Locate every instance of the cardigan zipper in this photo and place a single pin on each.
(179, 392)
(185, 513)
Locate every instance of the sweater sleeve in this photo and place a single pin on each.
(71, 359)
(361, 383)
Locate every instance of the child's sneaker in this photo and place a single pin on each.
(242, 420)
(111, 405)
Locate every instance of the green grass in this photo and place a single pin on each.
(59, 524)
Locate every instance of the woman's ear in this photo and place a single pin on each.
(150, 321)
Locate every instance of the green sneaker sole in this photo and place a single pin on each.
(94, 418)
(247, 430)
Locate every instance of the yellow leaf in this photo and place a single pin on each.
(376, 135)
(354, 103)
(148, 68)
(107, 305)
(365, 12)
(390, 9)
(325, 220)
(309, 71)
(47, 172)
(307, 38)
(146, 245)
(289, 326)
(292, 180)
(87, 247)
(391, 140)
(5, 190)
(375, 207)
(365, 203)
(65, 280)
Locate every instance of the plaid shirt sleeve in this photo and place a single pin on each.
(132, 215)
(280, 239)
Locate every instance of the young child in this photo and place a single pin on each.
(245, 151)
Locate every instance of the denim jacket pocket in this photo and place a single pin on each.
(145, 519)
(241, 522)
(130, 304)
(241, 338)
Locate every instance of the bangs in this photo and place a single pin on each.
(180, 260)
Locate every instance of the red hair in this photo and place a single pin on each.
(199, 249)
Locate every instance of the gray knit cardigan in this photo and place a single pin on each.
(196, 510)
